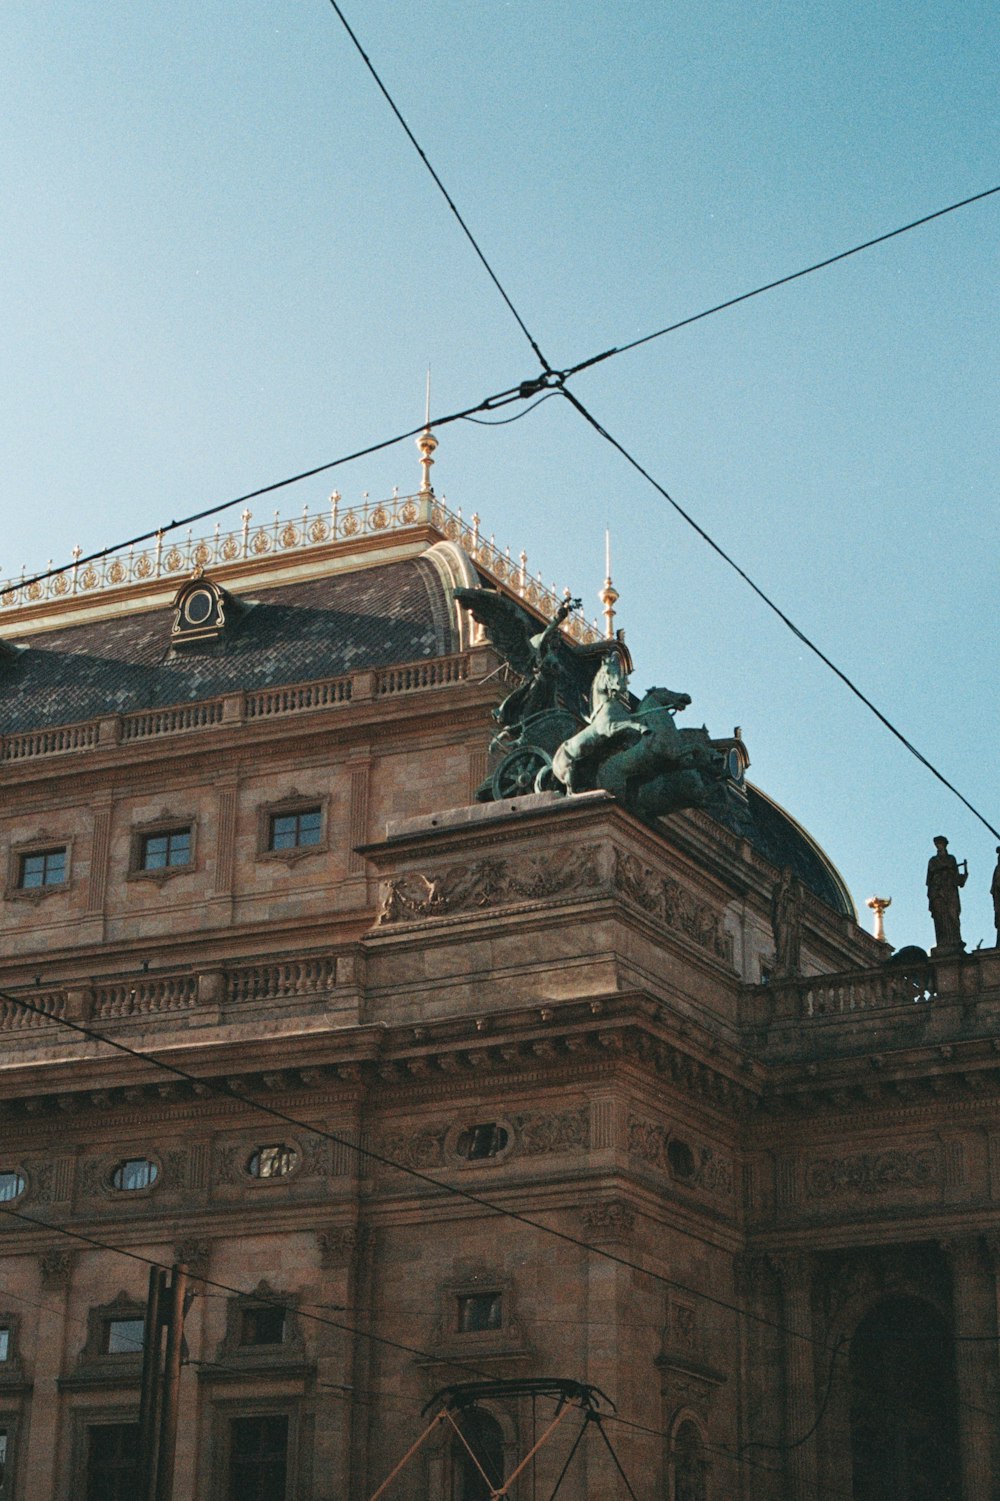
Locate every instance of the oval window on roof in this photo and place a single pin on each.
(275, 1160)
(11, 1185)
(134, 1173)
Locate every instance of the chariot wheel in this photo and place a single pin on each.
(517, 772)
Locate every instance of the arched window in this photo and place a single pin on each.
(484, 1436)
(687, 1464)
(904, 1427)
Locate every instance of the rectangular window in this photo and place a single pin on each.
(258, 1458)
(4, 1343)
(289, 831)
(4, 1487)
(112, 1462)
(158, 851)
(262, 1326)
(478, 1311)
(123, 1336)
(42, 868)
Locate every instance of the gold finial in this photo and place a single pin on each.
(427, 444)
(878, 905)
(609, 594)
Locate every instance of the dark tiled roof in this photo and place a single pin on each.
(776, 836)
(319, 628)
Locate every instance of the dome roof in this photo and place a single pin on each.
(781, 840)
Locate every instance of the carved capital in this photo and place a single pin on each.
(608, 1223)
(56, 1265)
(195, 1254)
(337, 1244)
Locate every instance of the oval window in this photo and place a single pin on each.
(680, 1158)
(11, 1186)
(478, 1142)
(275, 1161)
(134, 1173)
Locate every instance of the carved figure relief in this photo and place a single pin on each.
(871, 1173)
(667, 900)
(488, 883)
(562, 1132)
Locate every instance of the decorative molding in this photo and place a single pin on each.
(608, 1223)
(489, 883)
(868, 1173)
(710, 1170)
(56, 1266)
(225, 844)
(665, 899)
(100, 849)
(563, 1131)
(195, 1254)
(337, 1245)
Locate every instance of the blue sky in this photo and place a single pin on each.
(222, 263)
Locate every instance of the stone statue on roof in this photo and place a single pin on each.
(945, 878)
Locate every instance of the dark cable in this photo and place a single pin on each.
(800, 635)
(492, 403)
(503, 421)
(444, 191)
(227, 1090)
(782, 281)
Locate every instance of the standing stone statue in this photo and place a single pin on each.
(944, 881)
(995, 893)
(786, 922)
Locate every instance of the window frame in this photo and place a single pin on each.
(129, 1194)
(10, 1423)
(43, 843)
(292, 806)
(166, 824)
(216, 1461)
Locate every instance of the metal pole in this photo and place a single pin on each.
(149, 1398)
(171, 1382)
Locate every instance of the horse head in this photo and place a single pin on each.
(664, 698)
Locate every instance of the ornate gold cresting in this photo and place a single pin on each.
(427, 444)
(609, 594)
(878, 905)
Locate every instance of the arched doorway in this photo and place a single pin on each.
(484, 1436)
(904, 1425)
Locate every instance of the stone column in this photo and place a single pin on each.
(56, 1267)
(975, 1359)
(795, 1272)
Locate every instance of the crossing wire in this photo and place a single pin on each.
(441, 187)
(777, 610)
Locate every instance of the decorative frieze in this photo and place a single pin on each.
(493, 882)
(868, 1173)
(672, 904)
(696, 1166)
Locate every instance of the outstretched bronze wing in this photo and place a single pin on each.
(508, 626)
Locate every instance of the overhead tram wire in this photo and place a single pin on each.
(227, 1091)
(490, 404)
(441, 187)
(552, 381)
(777, 610)
(781, 281)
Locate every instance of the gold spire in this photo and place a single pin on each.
(427, 444)
(609, 594)
(878, 905)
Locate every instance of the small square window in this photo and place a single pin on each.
(123, 1336)
(164, 850)
(479, 1311)
(42, 868)
(4, 1343)
(262, 1326)
(289, 831)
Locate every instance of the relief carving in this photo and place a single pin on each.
(421, 1149)
(610, 1222)
(489, 883)
(871, 1173)
(337, 1245)
(56, 1266)
(567, 1131)
(696, 1167)
(667, 900)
